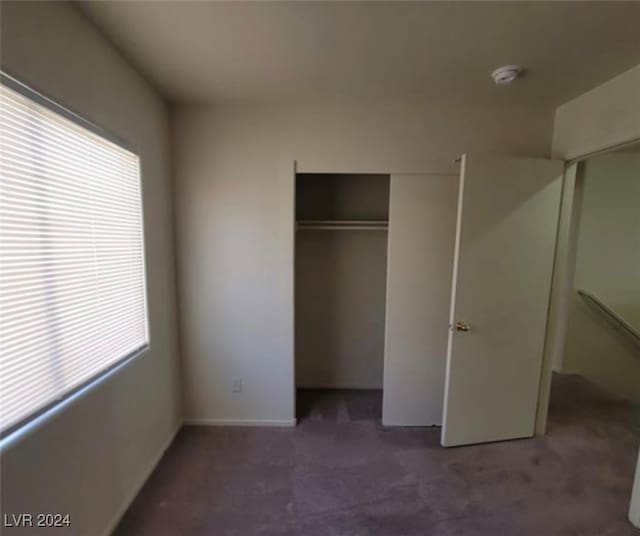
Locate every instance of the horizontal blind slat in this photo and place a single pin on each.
(104, 303)
(39, 137)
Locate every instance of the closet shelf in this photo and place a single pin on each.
(342, 225)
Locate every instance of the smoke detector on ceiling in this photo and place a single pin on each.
(506, 74)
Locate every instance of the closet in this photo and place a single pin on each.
(433, 287)
(340, 281)
(373, 265)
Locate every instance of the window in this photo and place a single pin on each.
(72, 283)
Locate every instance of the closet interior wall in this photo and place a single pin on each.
(340, 280)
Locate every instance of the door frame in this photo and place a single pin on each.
(561, 288)
(289, 167)
(563, 274)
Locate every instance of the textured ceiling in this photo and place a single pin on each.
(206, 51)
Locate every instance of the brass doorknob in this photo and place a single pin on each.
(462, 326)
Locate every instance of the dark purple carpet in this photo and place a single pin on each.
(340, 473)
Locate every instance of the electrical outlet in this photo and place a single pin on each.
(236, 385)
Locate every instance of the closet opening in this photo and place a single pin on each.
(340, 295)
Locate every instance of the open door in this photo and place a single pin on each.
(505, 242)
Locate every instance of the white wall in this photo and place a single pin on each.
(340, 308)
(608, 255)
(601, 118)
(91, 458)
(235, 213)
(607, 265)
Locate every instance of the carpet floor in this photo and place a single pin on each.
(340, 473)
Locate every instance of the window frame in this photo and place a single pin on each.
(44, 414)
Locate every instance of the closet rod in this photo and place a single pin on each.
(342, 225)
(341, 228)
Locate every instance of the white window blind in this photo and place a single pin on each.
(72, 279)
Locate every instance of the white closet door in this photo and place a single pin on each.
(505, 243)
(422, 215)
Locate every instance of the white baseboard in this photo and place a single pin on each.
(145, 476)
(241, 422)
